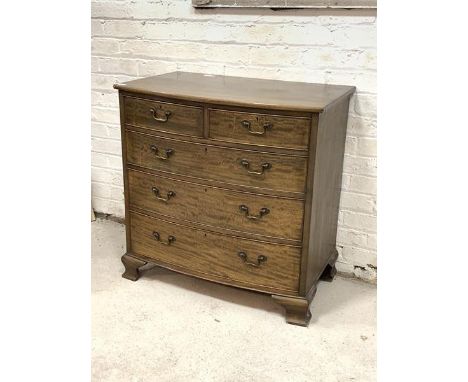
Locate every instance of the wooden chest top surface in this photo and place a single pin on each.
(240, 91)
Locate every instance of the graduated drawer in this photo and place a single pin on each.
(235, 166)
(259, 129)
(164, 116)
(239, 211)
(233, 259)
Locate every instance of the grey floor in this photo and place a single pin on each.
(168, 327)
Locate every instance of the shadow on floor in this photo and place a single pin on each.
(326, 300)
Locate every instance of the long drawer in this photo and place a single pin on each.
(233, 259)
(259, 129)
(239, 211)
(164, 116)
(235, 166)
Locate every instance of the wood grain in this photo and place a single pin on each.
(239, 91)
(287, 173)
(198, 203)
(264, 130)
(183, 119)
(207, 252)
(323, 199)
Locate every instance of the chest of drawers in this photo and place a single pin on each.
(234, 180)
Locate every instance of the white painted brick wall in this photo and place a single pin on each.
(138, 38)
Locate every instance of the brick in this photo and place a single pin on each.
(155, 67)
(104, 175)
(358, 256)
(99, 130)
(110, 9)
(252, 71)
(101, 98)
(105, 145)
(348, 237)
(105, 82)
(358, 126)
(98, 159)
(105, 160)
(113, 131)
(167, 31)
(109, 206)
(358, 202)
(105, 191)
(227, 53)
(97, 28)
(124, 66)
(275, 56)
(117, 193)
(100, 114)
(343, 267)
(94, 65)
(360, 221)
(114, 162)
(365, 105)
(105, 46)
(364, 184)
(366, 147)
(323, 57)
(354, 36)
(360, 165)
(351, 145)
(123, 28)
(100, 190)
(365, 81)
(163, 50)
(207, 68)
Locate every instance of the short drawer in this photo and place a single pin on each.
(259, 129)
(234, 166)
(164, 116)
(259, 264)
(239, 211)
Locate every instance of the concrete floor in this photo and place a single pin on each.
(168, 327)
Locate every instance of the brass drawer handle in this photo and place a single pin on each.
(167, 114)
(265, 166)
(263, 211)
(248, 126)
(167, 152)
(157, 236)
(260, 259)
(170, 194)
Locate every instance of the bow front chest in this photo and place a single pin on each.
(234, 180)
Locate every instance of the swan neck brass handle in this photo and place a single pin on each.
(170, 194)
(157, 236)
(167, 152)
(260, 259)
(263, 211)
(248, 126)
(264, 166)
(167, 114)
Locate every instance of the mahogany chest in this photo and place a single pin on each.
(234, 180)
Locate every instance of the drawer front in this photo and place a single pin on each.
(230, 258)
(257, 214)
(250, 168)
(259, 129)
(163, 116)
